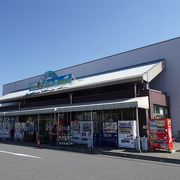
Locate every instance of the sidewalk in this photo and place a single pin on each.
(158, 156)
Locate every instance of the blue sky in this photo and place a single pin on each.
(41, 35)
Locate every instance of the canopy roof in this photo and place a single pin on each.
(139, 102)
(145, 72)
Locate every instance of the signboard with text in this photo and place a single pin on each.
(50, 79)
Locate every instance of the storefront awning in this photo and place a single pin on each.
(142, 72)
(139, 102)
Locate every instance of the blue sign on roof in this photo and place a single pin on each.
(50, 79)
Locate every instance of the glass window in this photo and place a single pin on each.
(160, 112)
(87, 116)
(112, 115)
(107, 115)
(22, 119)
(97, 116)
(77, 116)
(119, 114)
(128, 114)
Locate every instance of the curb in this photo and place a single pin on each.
(123, 155)
(143, 157)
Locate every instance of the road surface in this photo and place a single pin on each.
(28, 163)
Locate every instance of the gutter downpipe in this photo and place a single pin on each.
(137, 121)
(138, 133)
(92, 145)
(38, 124)
(70, 114)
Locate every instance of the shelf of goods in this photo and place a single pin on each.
(81, 131)
(64, 137)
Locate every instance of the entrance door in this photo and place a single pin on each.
(46, 123)
(142, 123)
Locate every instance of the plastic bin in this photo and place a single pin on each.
(89, 143)
(144, 143)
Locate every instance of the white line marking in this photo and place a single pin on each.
(18, 154)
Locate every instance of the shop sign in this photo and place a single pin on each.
(50, 79)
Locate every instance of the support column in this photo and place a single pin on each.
(92, 130)
(38, 123)
(147, 118)
(137, 130)
(121, 114)
(70, 114)
(19, 104)
(17, 120)
(70, 117)
(71, 98)
(70, 132)
(58, 129)
(101, 130)
(147, 85)
(135, 89)
(102, 116)
(54, 118)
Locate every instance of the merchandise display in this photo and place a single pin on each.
(85, 131)
(81, 131)
(65, 137)
(19, 131)
(29, 131)
(160, 134)
(76, 131)
(126, 134)
(64, 134)
(5, 128)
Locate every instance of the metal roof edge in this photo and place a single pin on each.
(163, 63)
(135, 49)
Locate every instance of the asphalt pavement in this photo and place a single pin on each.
(31, 163)
(162, 156)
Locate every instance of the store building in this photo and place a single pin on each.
(99, 101)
